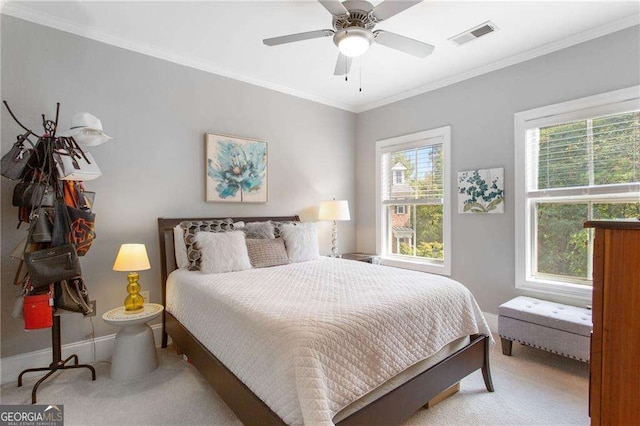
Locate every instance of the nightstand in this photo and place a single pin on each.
(134, 354)
(362, 257)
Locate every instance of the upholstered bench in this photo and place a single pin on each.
(562, 329)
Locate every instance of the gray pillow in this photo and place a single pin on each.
(267, 252)
(191, 228)
(258, 230)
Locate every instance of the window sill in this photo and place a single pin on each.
(579, 292)
(416, 265)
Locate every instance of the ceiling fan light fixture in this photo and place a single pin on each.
(353, 42)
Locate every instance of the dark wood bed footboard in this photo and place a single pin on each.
(245, 404)
(390, 408)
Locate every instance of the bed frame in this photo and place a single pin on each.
(391, 408)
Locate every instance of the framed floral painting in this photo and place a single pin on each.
(481, 191)
(236, 169)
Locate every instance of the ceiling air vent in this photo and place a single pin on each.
(474, 33)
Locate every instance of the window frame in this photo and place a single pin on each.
(441, 135)
(615, 102)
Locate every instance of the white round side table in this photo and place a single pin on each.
(135, 352)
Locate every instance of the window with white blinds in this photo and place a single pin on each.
(413, 175)
(576, 161)
(585, 154)
(413, 210)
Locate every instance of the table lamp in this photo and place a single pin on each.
(334, 210)
(132, 258)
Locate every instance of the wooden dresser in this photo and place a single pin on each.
(614, 397)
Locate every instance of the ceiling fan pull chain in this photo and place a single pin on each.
(346, 70)
(361, 60)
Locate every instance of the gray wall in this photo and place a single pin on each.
(480, 112)
(157, 112)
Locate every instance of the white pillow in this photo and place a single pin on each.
(180, 247)
(222, 252)
(301, 240)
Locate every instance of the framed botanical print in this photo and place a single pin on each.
(236, 169)
(481, 191)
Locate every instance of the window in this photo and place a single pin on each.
(398, 177)
(413, 219)
(575, 161)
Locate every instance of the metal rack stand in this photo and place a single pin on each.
(58, 363)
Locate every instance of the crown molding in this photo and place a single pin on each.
(21, 12)
(512, 60)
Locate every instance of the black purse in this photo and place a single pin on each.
(33, 195)
(14, 163)
(72, 295)
(42, 231)
(53, 264)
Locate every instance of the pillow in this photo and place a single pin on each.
(278, 225)
(191, 228)
(267, 252)
(257, 230)
(180, 248)
(222, 252)
(301, 240)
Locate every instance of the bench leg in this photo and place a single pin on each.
(506, 346)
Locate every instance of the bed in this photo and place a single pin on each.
(282, 363)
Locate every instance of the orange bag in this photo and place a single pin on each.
(38, 310)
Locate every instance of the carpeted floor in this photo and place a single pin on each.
(532, 387)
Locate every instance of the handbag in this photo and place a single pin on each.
(71, 165)
(72, 295)
(33, 195)
(14, 163)
(38, 310)
(52, 264)
(73, 226)
(61, 225)
(76, 196)
(81, 229)
(42, 231)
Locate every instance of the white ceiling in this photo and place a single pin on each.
(226, 38)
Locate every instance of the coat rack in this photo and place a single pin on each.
(50, 128)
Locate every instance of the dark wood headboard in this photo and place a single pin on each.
(167, 249)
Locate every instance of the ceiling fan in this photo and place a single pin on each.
(353, 23)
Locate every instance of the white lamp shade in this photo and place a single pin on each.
(334, 210)
(132, 258)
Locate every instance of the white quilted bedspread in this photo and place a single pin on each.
(310, 338)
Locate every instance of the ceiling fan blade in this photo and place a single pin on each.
(343, 65)
(389, 8)
(334, 7)
(297, 37)
(403, 44)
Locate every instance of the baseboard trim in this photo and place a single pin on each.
(10, 367)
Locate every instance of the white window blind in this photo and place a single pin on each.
(575, 161)
(586, 157)
(423, 174)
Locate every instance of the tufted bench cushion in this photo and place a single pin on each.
(562, 329)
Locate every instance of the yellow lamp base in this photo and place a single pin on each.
(134, 303)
